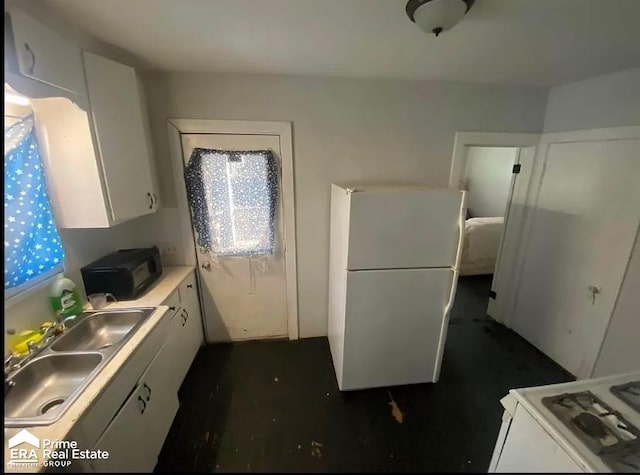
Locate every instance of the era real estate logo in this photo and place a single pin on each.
(27, 451)
(22, 450)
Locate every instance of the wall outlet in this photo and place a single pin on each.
(169, 249)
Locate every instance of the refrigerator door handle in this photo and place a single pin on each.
(454, 287)
(445, 326)
(461, 225)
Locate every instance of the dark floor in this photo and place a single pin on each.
(275, 406)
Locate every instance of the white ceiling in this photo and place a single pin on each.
(538, 42)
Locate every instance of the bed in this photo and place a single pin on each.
(480, 248)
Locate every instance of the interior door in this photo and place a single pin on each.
(505, 270)
(579, 242)
(244, 296)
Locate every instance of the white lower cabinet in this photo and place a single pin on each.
(135, 436)
(133, 415)
(184, 335)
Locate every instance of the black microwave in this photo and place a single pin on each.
(125, 273)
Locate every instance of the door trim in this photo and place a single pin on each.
(483, 139)
(463, 140)
(176, 127)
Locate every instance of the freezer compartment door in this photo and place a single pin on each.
(394, 319)
(410, 228)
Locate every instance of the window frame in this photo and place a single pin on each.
(27, 289)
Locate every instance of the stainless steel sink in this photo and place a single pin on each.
(43, 389)
(100, 331)
(44, 385)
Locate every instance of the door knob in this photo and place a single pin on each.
(594, 290)
(206, 265)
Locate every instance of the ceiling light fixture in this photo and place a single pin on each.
(16, 99)
(436, 16)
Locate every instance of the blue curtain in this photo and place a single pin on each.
(233, 197)
(32, 244)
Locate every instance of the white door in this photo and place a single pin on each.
(421, 228)
(505, 269)
(244, 297)
(579, 242)
(394, 323)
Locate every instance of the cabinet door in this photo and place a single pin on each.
(162, 405)
(193, 322)
(46, 56)
(135, 436)
(117, 114)
(176, 342)
(185, 333)
(124, 439)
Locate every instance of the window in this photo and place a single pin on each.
(32, 245)
(233, 197)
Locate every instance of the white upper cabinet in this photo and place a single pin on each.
(97, 161)
(116, 108)
(91, 125)
(44, 55)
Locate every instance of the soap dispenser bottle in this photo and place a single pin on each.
(65, 300)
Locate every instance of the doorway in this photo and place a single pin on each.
(495, 170)
(236, 209)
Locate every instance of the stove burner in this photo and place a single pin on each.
(590, 425)
(605, 431)
(629, 393)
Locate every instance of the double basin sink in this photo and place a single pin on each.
(46, 386)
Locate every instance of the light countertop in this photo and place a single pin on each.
(153, 297)
(169, 280)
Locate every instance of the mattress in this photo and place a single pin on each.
(481, 241)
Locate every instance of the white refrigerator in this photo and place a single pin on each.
(394, 253)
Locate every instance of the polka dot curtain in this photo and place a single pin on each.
(233, 197)
(32, 245)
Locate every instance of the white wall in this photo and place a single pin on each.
(487, 178)
(612, 100)
(343, 130)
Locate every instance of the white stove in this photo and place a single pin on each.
(592, 425)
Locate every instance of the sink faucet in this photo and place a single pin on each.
(14, 362)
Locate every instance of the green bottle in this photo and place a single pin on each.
(64, 297)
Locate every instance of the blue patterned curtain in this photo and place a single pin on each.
(32, 245)
(233, 197)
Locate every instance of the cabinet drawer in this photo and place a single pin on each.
(111, 400)
(188, 287)
(173, 302)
